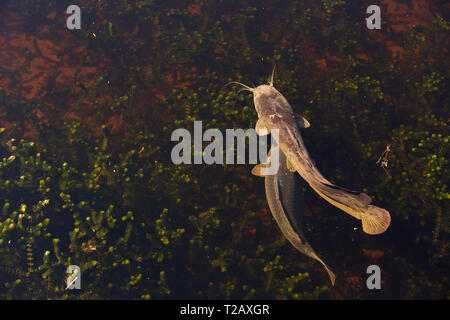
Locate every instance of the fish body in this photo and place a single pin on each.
(275, 112)
(283, 193)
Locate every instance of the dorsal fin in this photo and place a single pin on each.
(271, 78)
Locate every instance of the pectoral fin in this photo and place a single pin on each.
(256, 171)
(260, 128)
(302, 122)
(290, 166)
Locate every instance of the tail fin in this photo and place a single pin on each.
(329, 271)
(375, 220)
(327, 268)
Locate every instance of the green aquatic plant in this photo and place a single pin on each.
(92, 183)
(86, 215)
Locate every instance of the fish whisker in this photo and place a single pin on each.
(241, 84)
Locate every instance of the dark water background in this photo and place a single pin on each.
(95, 108)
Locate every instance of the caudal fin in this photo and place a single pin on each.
(375, 220)
(330, 272)
(327, 268)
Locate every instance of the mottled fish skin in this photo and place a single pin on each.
(283, 193)
(275, 112)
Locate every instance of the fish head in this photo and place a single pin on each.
(269, 102)
(264, 90)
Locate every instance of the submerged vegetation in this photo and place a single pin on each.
(86, 176)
